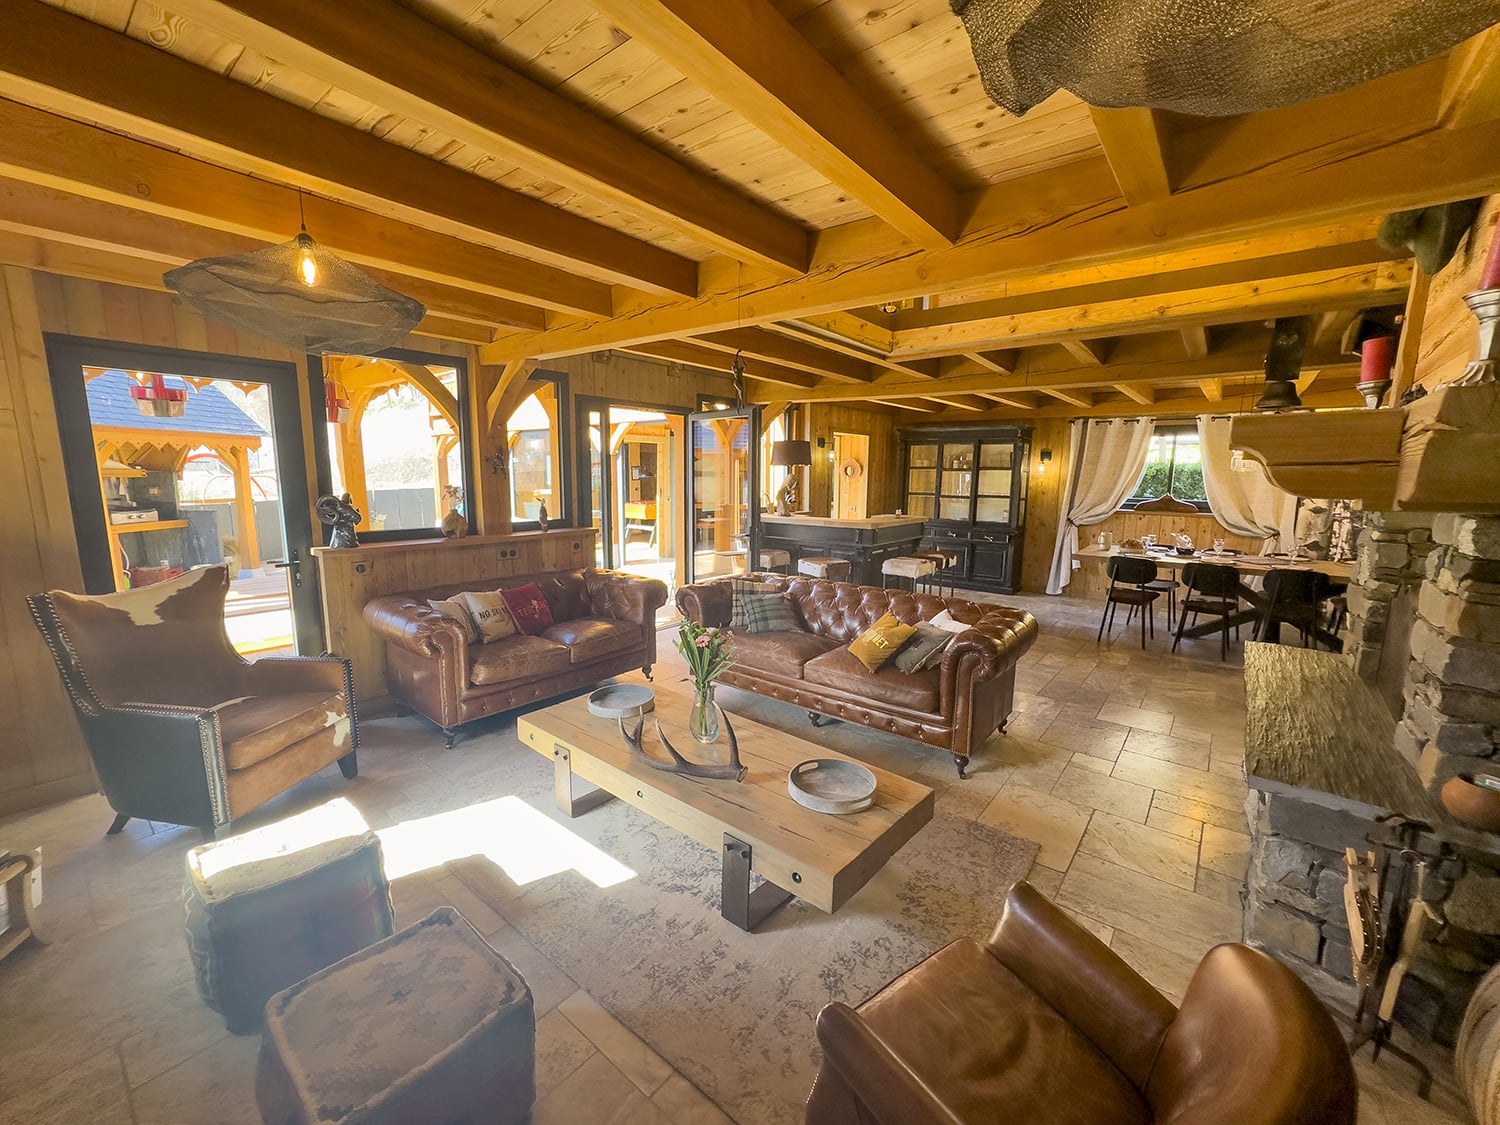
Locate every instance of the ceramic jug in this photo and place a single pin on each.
(1105, 540)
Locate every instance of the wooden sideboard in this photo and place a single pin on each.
(350, 577)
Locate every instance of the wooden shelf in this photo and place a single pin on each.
(1333, 454)
(152, 525)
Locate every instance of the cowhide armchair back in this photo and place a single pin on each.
(180, 727)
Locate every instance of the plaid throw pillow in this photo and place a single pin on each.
(740, 588)
(770, 613)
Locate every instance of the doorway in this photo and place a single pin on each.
(723, 493)
(851, 481)
(631, 487)
(178, 460)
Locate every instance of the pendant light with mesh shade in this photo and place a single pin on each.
(300, 294)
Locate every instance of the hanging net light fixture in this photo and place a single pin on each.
(300, 294)
(1210, 58)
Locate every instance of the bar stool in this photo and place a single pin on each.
(835, 570)
(906, 566)
(944, 561)
(776, 560)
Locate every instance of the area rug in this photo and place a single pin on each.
(735, 1012)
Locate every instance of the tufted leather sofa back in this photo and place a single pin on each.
(567, 591)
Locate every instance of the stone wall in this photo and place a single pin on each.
(1452, 719)
(1392, 553)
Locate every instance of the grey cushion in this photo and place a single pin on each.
(770, 613)
(925, 648)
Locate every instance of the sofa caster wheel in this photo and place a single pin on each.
(646, 670)
(448, 737)
(962, 762)
(818, 720)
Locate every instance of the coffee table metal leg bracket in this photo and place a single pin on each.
(740, 905)
(562, 785)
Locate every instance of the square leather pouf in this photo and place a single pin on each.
(268, 907)
(431, 1025)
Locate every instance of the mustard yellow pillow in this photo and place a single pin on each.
(488, 611)
(879, 642)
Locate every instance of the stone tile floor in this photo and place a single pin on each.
(1123, 764)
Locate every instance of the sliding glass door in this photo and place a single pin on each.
(723, 504)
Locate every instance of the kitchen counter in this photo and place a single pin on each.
(868, 524)
(864, 543)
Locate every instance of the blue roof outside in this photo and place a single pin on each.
(209, 410)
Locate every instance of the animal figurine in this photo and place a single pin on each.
(339, 513)
(542, 517)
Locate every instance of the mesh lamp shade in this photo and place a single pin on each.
(788, 454)
(298, 294)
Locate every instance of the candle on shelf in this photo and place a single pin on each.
(1491, 277)
(1376, 355)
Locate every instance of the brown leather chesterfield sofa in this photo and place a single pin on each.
(1045, 1023)
(604, 623)
(955, 706)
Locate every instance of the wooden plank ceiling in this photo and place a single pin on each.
(819, 186)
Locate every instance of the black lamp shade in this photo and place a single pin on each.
(786, 454)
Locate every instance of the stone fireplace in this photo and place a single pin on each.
(1352, 752)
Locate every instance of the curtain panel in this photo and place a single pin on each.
(1246, 503)
(1111, 455)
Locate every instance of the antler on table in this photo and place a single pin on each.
(729, 771)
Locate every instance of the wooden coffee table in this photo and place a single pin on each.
(819, 858)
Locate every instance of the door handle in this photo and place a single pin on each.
(294, 564)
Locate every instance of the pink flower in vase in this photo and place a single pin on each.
(704, 641)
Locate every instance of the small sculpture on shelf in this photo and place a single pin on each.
(544, 521)
(339, 513)
(454, 525)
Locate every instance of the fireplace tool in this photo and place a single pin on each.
(1383, 953)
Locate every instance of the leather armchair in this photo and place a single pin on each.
(1045, 1024)
(180, 728)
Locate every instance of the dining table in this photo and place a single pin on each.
(1169, 558)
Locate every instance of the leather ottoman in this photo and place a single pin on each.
(268, 907)
(431, 1025)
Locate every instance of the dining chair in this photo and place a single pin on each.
(1214, 589)
(1128, 578)
(1292, 597)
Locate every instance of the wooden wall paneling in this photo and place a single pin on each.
(1090, 581)
(883, 470)
(351, 577)
(42, 754)
(1450, 334)
(1043, 501)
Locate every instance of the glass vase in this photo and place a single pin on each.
(703, 721)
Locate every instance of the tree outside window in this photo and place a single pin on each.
(1174, 464)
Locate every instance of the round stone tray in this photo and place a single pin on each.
(831, 785)
(621, 701)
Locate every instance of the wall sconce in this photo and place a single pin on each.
(1046, 456)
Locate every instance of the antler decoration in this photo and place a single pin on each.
(729, 771)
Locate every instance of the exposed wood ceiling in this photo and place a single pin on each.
(819, 186)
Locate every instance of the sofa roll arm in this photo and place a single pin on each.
(414, 626)
(705, 603)
(625, 597)
(1085, 981)
(160, 762)
(889, 1089)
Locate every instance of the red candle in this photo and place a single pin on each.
(1376, 356)
(1491, 276)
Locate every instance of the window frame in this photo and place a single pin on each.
(562, 457)
(318, 374)
(1173, 430)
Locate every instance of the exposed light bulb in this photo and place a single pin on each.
(306, 267)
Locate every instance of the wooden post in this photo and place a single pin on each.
(244, 508)
(351, 455)
(1411, 337)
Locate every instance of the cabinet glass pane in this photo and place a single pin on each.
(958, 456)
(995, 456)
(994, 482)
(923, 456)
(921, 480)
(992, 510)
(954, 509)
(957, 482)
(921, 507)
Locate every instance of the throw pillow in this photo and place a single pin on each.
(740, 588)
(487, 611)
(944, 620)
(459, 612)
(529, 607)
(770, 613)
(924, 649)
(879, 642)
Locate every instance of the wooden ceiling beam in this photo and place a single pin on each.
(370, 48)
(1471, 83)
(1066, 323)
(790, 352)
(1058, 222)
(88, 223)
(853, 336)
(1213, 389)
(910, 404)
(1143, 393)
(1015, 399)
(52, 152)
(962, 402)
(749, 57)
(66, 64)
(1195, 341)
(1081, 399)
(681, 351)
(1094, 352)
(1136, 144)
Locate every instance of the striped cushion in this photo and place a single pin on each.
(739, 589)
(770, 613)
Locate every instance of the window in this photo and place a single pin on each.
(1174, 464)
(395, 425)
(531, 433)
